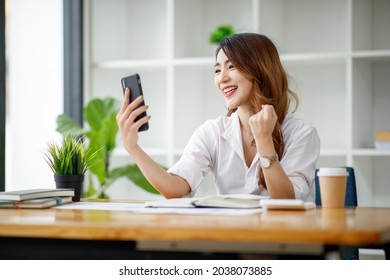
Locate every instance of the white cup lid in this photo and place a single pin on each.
(332, 171)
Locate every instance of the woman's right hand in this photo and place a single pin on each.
(169, 185)
(128, 129)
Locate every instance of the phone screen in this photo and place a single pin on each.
(133, 82)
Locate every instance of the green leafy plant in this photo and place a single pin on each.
(69, 157)
(220, 33)
(100, 116)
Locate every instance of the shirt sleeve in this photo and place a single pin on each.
(300, 157)
(197, 157)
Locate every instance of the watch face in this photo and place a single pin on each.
(265, 162)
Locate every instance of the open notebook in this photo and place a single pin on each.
(243, 201)
(239, 201)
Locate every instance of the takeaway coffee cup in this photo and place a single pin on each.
(333, 186)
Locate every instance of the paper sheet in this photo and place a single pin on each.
(199, 211)
(141, 209)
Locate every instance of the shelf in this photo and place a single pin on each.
(313, 58)
(118, 30)
(379, 55)
(320, 99)
(299, 58)
(371, 152)
(371, 100)
(136, 63)
(305, 26)
(370, 22)
(195, 61)
(304, 58)
(372, 177)
(194, 20)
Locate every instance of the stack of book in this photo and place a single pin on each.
(35, 198)
(382, 140)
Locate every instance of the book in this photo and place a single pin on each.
(34, 193)
(382, 145)
(382, 140)
(243, 201)
(37, 203)
(286, 204)
(382, 135)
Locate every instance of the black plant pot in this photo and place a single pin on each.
(70, 182)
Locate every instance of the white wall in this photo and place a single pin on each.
(35, 72)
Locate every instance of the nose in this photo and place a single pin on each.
(224, 76)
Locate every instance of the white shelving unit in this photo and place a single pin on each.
(337, 53)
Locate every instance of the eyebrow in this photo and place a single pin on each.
(225, 62)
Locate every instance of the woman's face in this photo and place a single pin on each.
(233, 85)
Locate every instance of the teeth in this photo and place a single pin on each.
(229, 89)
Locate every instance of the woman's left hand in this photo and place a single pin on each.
(263, 123)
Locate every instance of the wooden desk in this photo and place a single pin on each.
(302, 232)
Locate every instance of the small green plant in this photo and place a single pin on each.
(220, 33)
(69, 157)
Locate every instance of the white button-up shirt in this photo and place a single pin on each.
(216, 146)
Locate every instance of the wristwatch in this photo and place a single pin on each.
(266, 162)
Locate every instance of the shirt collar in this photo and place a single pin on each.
(232, 134)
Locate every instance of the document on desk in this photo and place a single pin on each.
(199, 211)
(142, 209)
(236, 201)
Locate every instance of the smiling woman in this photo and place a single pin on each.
(35, 88)
(282, 160)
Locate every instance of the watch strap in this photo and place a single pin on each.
(271, 160)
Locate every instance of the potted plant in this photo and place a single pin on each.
(69, 161)
(220, 33)
(100, 133)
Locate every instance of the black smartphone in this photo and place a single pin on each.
(133, 82)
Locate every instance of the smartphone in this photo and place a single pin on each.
(133, 82)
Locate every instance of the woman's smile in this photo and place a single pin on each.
(229, 91)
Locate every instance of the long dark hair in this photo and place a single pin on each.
(257, 58)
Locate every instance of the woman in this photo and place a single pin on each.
(258, 148)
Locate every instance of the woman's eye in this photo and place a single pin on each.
(231, 66)
(217, 71)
